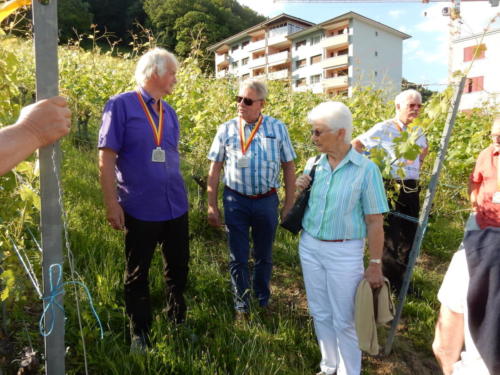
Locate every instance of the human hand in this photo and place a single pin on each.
(374, 276)
(115, 215)
(214, 218)
(303, 182)
(47, 120)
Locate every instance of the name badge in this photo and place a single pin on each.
(243, 162)
(158, 155)
(496, 197)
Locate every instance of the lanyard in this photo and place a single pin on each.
(157, 130)
(398, 124)
(245, 143)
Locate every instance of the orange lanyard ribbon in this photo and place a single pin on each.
(157, 130)
(245, 143)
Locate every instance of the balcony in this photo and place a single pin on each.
(254, 63)
(334, 41)
(333, 62)
(222, 73)
(221, 61)
(280, 74)
(278, 58)
(334, 82)
(254, 46)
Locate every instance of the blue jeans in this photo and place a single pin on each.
(261, 215)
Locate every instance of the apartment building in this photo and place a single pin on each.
(479, 56)
(331, 57)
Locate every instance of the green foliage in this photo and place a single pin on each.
(209, 343)
(73, 17)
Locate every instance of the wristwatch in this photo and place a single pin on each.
(378, 261)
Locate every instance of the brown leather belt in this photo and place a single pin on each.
(256, 196)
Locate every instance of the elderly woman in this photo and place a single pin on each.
(345, 207)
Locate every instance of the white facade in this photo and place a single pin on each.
(482, 66)
(331, 57)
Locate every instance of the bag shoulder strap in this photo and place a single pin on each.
(313, 169)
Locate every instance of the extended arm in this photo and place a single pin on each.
(375, 234)
(357, 145)
(289, 177)
(448, 339)
(39, 125)
(473, 189)
(114, 212)
(214, 218)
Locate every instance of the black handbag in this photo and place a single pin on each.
(293, 220)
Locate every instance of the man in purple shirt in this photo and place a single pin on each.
(143, 188)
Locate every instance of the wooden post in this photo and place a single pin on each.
(45, 30)
(426, 210)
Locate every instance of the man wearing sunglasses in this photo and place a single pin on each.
(251, 148)
(399, 232)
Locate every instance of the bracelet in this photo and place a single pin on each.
(377, 261)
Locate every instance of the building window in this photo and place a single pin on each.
(300, 82)
(234, 64)
(245, 76)
(478, 51)
(300, 44)
(315, 79)
(474, 84)
(315, 59)
(234, 48)
(245, 43)
(300, 63)
(315, 40)
(244, 61)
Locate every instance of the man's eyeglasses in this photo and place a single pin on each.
(246, 101)
(415, 105)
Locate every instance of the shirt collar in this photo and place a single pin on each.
(147, 98)
(352, 156)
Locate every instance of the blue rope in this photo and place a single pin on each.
(50, 301)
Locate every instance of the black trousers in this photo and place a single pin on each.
(141, 239)
(399, 233)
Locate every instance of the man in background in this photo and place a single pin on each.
(399, 232)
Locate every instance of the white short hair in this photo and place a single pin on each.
(157, 60)
(405, 95)
(334, 114)
(258, 86)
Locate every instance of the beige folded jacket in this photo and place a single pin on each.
(372, 307)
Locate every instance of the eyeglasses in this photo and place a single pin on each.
(246, 101)
(415, 105)
(317, 133)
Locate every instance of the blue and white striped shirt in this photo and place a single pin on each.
(270, 147)
(341, 198)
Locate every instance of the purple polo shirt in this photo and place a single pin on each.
(147, 190)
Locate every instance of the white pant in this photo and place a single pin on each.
(332, 272)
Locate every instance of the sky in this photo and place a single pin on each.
(425, 54)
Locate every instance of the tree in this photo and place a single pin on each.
(74, 17)
(181, 24)
(426, 93)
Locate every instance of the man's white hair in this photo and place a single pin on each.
(403, 96)
(258, 86)
(157, 60)
(334, 114)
